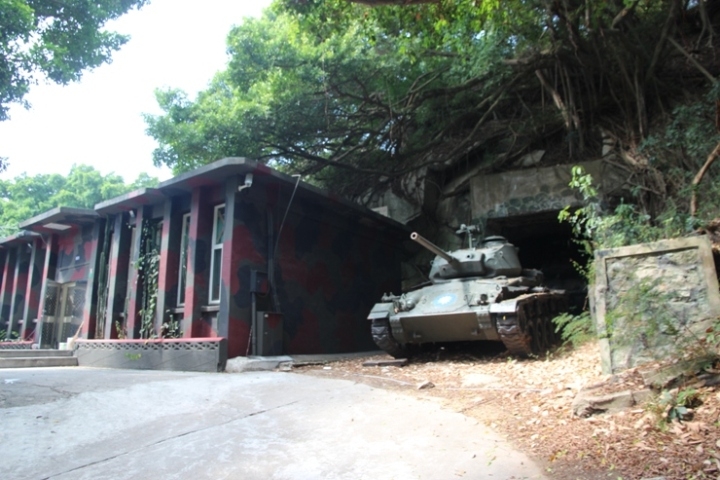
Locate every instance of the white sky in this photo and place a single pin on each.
(98, 121)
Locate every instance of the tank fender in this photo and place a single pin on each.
(506, 307)
(381, 310)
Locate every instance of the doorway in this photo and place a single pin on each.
(63, 312)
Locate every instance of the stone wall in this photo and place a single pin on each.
(653, 300)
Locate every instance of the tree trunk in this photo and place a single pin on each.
(696, 181)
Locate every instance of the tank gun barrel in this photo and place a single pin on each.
(416, 237)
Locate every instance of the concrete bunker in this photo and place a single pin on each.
(454, 298)
(523, 206)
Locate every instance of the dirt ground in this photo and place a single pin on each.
(530, 402)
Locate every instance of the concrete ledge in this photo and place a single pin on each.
(35, 353)
(181, 354)
(16, 345)
(253, 363)
(332, 357)
(32, 362)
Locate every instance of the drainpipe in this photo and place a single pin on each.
(276, 300)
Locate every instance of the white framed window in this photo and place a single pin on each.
(182, 268)
(217, 251)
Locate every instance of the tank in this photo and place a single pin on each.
(476, 293)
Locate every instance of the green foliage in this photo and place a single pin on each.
(586, 219)
(575, 329)
(143, 180)
(171, 329)
(596, 228)
(24, 196)
(121, 330)
(54, 40)
(148, 266)
(336, 85)
(324, 87)
(85, 186)
(712, 337)
(4, 337)
(680, 149)
(689, 135)
(675, 405)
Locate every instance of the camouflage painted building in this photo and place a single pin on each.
(47, 260)
(234, 249)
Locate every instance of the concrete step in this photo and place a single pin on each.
(37, 358)
(30, 362)
(35, 353)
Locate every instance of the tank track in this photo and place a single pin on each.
(382, 335)
(528, 330)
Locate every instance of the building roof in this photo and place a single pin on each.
(59, 219)
(18, 238)
(217, 172)
(129, 201)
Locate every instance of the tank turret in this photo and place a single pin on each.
(480, 292)
(493, 257)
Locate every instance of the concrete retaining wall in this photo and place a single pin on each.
(653, 300)
(192, 354)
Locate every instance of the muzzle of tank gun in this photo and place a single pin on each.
(428, 245)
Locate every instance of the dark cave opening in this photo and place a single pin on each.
(547, 245)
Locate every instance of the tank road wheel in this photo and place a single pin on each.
(382, 335)
(525, 333)
(533, 327)
(514, 332)
(542, 341)
(545, 319)
(530, 330)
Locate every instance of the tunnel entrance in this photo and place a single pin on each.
(546, 244)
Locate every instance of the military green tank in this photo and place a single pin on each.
(475, 293)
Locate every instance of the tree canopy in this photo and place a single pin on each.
(26, 196)
(54, 40)
(328, 87)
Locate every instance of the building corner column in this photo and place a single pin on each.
(169, 262)
(198, 261)
(34, 290)
(119, 262)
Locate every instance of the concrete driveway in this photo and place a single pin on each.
(81, 423)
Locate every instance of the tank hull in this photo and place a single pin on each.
(474, 294)
(460, 311)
